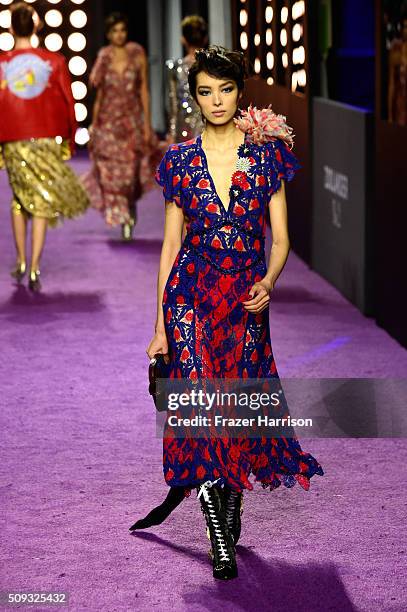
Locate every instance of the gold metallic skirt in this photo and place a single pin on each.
(43, 185)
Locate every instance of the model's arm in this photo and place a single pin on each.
(278, 254)
(96, 105)
(145, 98)
(174, 219)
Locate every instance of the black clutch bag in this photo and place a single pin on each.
(158, 368)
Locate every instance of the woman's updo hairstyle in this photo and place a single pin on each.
(113, 19)
(195, 30)
(221, 64)
(22, 19)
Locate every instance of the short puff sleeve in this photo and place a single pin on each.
(282, 162)
(169, 175)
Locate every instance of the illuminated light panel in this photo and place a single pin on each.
(78, 19)
(5, 19)
(297, 32)
(77, 65)
(53, 42)
(269, 14)
(283, 37)
(53, 18)
(6, 41)
(79, 90)
(270, 81)
(299, 55)
(294, 81)
(81, 136)
(58, 139)
(270, 60)
(34, 40)
(78, 1)
(256, 40)
(298, 10)
(54, 1)
(284, 60)
(6, 2)
(76, 41)
(81, 112)
(284, 14)
(302, 78)
(257, 65)
(243, 40)
(243, 18)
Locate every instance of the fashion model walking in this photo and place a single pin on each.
(184, 115)
(121, 139)
(37, 133)
(214, 290)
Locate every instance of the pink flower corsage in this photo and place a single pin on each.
(263, 125)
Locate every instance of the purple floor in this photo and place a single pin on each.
(81, 461)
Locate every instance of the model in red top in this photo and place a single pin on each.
(36, 107)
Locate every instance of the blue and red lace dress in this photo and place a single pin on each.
(210, 333)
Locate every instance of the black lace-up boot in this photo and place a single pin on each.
(233, 507)
(223, 550)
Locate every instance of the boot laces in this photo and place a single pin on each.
(231, 507)
(219, 536)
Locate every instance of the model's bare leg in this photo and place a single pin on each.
(39, 231)
(19, 221)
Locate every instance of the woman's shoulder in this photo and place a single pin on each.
(105, 51)
(135, 48)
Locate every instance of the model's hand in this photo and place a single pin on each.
(260, 294)
(158, 344)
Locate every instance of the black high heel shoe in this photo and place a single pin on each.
(19, 270)
(223, 550)
(160, 513)
(34, 281)
(233, 505)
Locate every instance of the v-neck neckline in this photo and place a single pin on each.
(121, 74)
(226, 210)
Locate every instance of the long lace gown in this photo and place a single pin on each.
(210, 333)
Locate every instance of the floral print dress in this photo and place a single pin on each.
(210, 333)
(122, 166)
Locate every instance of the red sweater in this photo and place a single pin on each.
(35, 96)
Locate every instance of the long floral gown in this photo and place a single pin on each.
(122, 165)
(210, 333)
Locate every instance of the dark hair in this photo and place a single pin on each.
(195, 30)
(219, 63)
(22, 19)
(113, 19)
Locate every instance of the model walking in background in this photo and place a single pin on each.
(121, 139)
(36, 107)
(214, 289)
(184, 115)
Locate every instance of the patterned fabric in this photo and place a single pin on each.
(210, 333)
(123, 167)
(43, 185)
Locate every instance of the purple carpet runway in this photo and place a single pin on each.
(81, 460)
